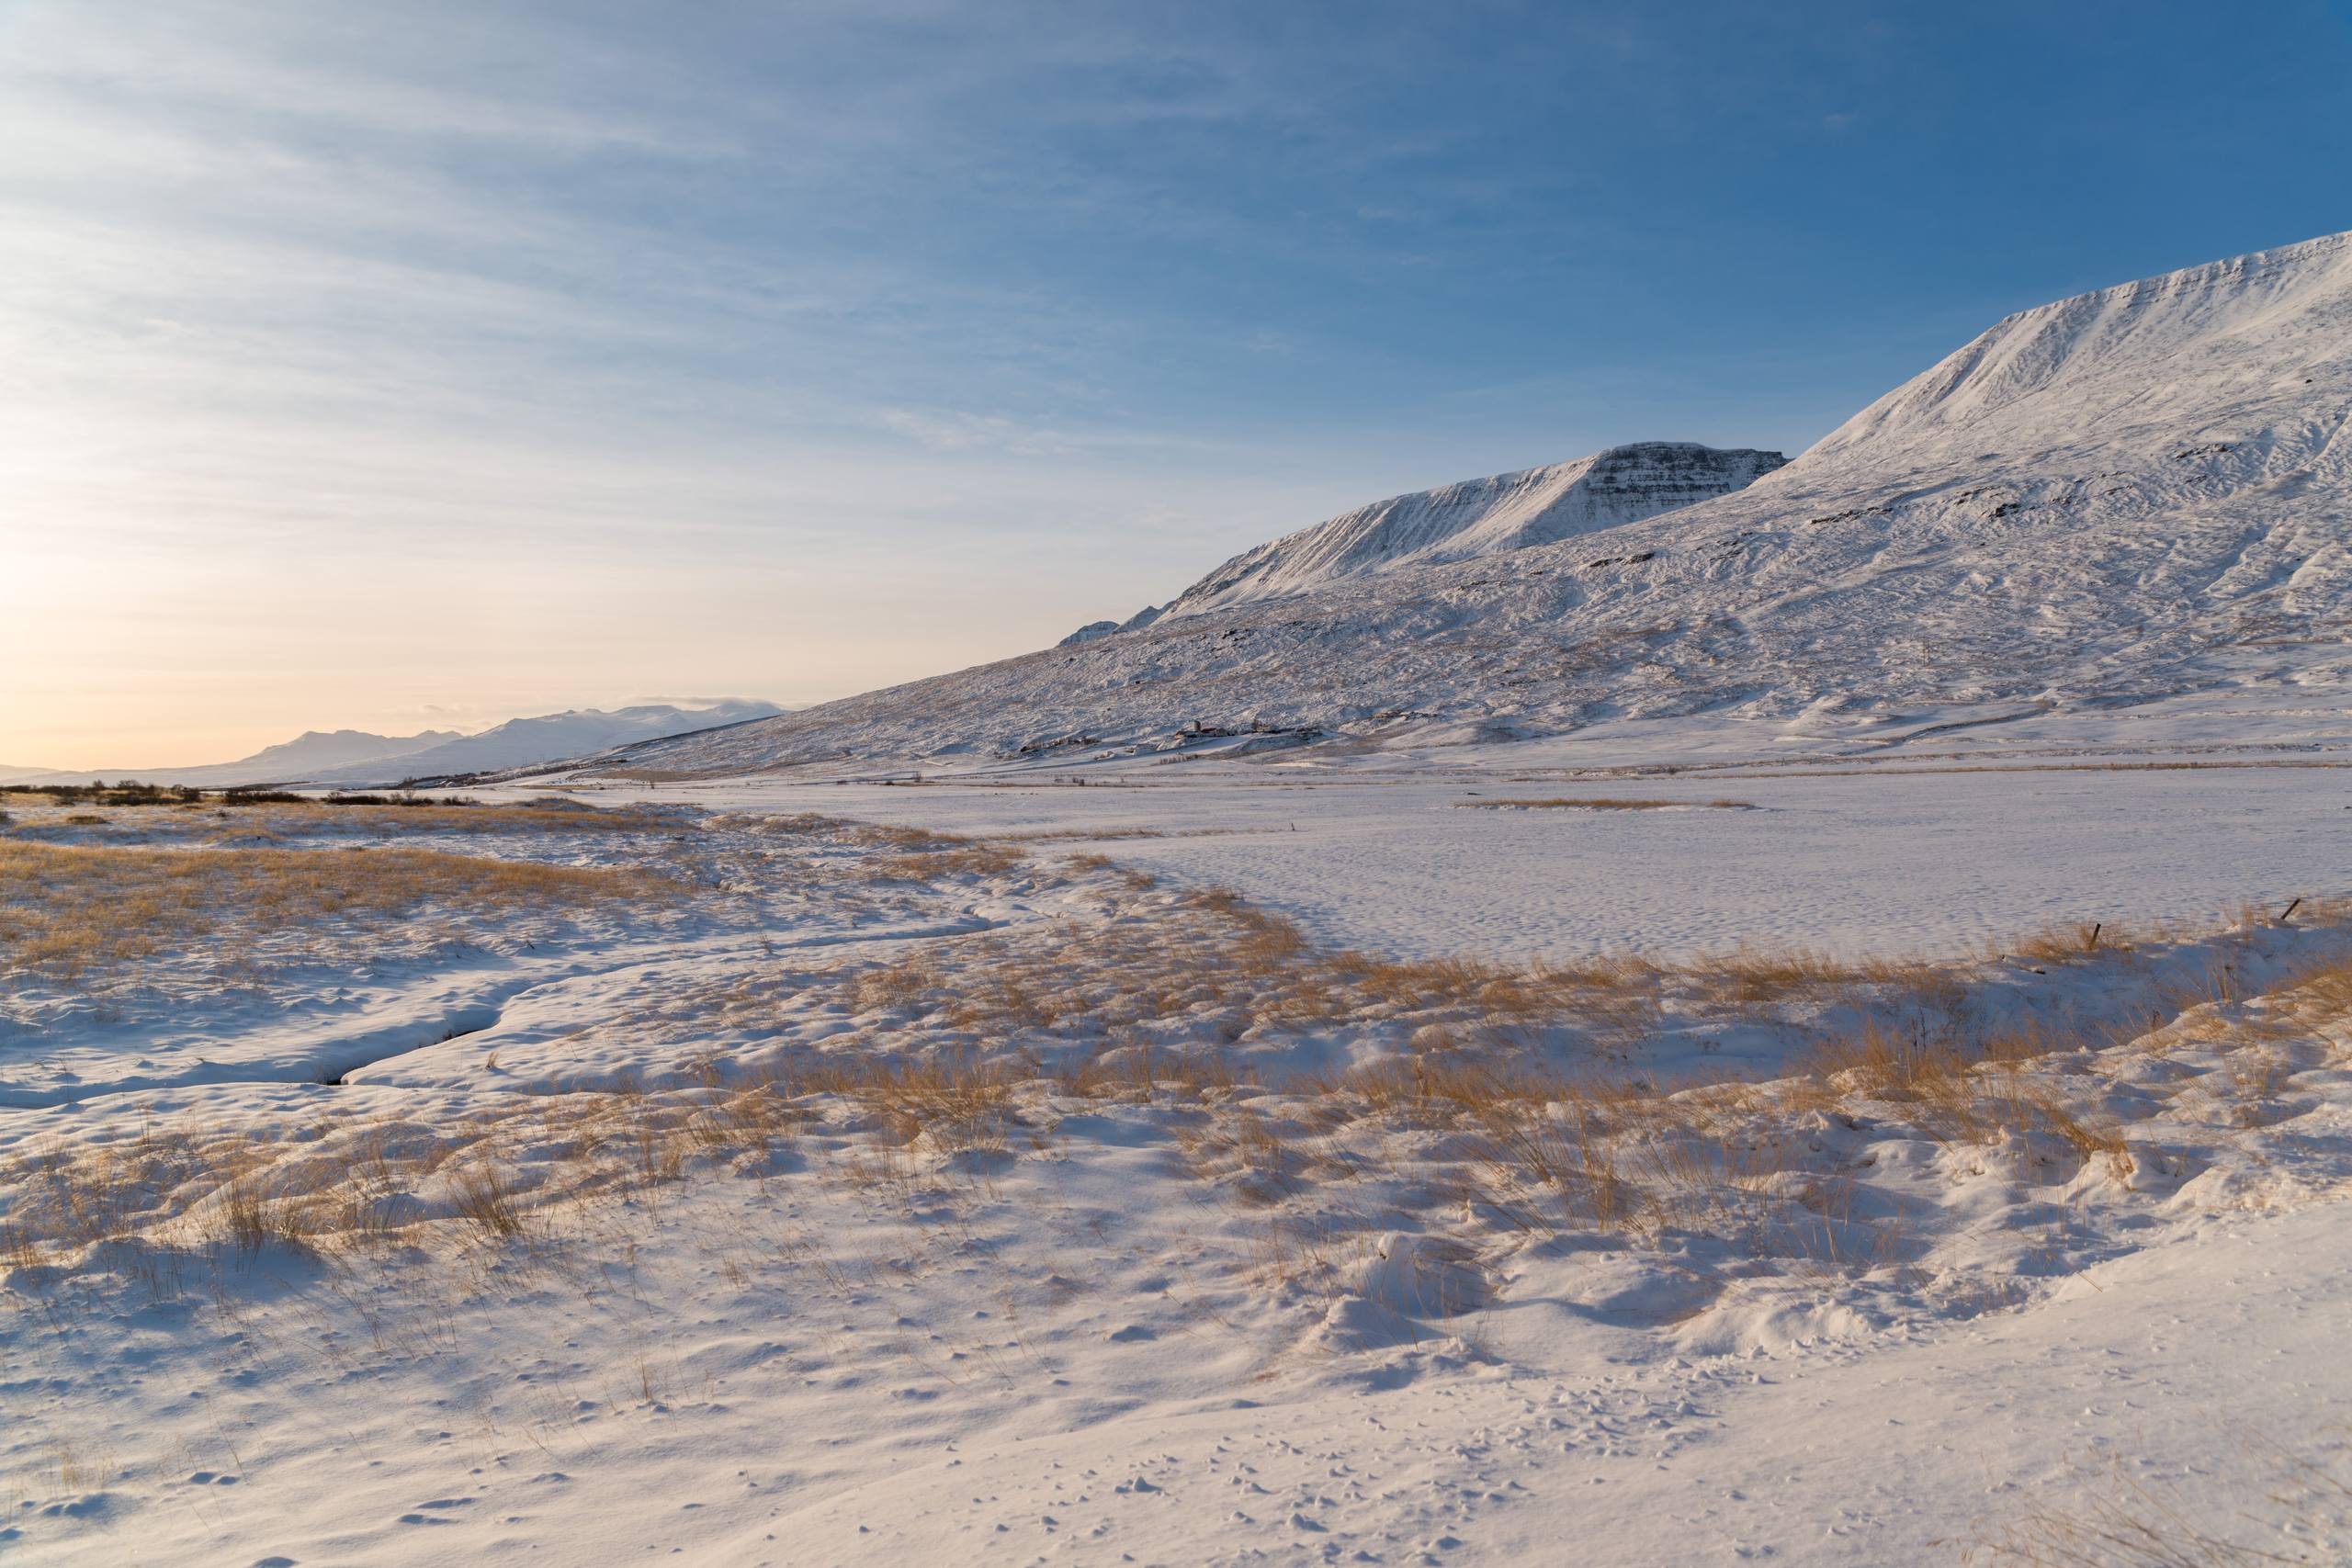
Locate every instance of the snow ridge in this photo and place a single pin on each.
(1507, 512)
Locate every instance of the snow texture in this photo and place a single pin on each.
(1089, 1344)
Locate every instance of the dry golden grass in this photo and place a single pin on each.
(67, 909)
(64, 1200)
(2059, 944)
(1528, 1149)
(1605, 803)
(1135, 1071)
(801, 822)
(956, 1104)
(1958, 1094)
(1220, 968)
(1534, 1149)
(280, 820)
(2123, 1520)
(489, 1180)
(930, 865)
(82, 1468)
(900, 984)
(2319, 989)
(551, 815)
(484, 1195)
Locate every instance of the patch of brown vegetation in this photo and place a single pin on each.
(65, 910)
(932, 865)
(1605, 803)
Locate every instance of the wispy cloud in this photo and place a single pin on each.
(474, 351)
(950, 430)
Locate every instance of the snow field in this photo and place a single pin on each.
(1880, 865)
(906, 1195)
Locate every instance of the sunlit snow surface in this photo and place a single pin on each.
(1089, 1347)
(1877, 863)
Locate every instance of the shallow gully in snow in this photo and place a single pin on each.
(328, 1062)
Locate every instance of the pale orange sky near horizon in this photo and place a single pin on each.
(161, 632)
(311, 427)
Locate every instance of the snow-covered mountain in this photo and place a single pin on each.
(1478, 517)
(315, 751)
(2110, 500)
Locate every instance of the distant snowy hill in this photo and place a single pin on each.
(2104, 501)
(317, 751)
(306, 754)
(552, 737)
(356, 757)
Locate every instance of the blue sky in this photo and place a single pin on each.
(395, 366)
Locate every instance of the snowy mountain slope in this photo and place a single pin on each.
(1507, 512)
(2110, 500)
(579, 733)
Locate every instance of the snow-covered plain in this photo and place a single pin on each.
(1879, 863)
(750, 1313)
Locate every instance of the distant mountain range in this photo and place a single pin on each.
(2128, 497)
(354, 757)
(552, 737)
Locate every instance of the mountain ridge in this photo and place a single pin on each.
(2109, 500)
(1483, 516)
(577, 732)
